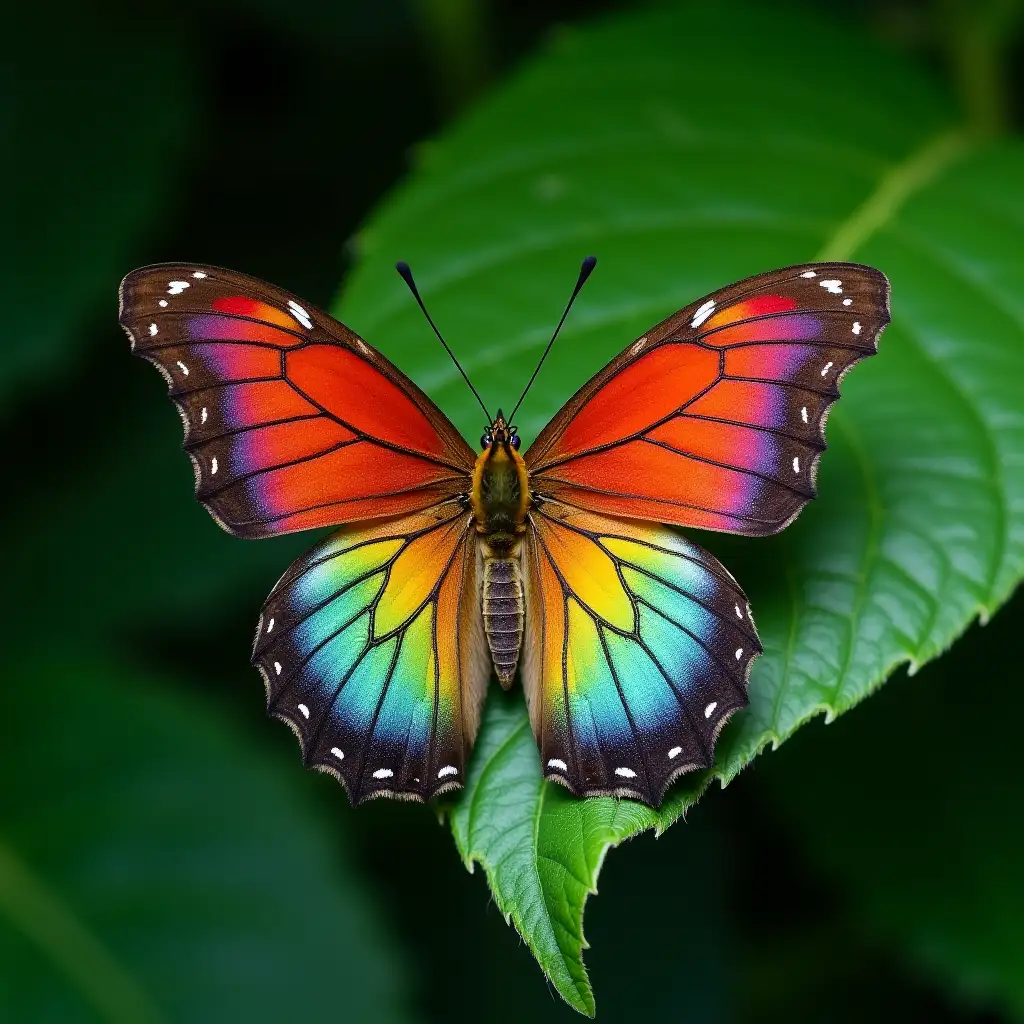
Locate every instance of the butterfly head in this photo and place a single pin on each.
(499, 436)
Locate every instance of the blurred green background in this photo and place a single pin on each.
(163, 857)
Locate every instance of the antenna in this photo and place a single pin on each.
(403, 268)
(585, 270)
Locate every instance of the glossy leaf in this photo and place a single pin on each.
(686, 158)
(533, 838)
(180, 878)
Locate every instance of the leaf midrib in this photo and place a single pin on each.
(894, 188)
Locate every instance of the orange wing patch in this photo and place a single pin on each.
(292, 421)
(716, 418)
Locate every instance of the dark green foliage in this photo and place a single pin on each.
(923, 837)
(155, 867)
(85, 168)
(162, 854)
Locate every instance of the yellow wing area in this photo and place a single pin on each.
(638, 649)
(372, 649)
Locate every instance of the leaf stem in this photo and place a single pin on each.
(40, 915)
(977, 37)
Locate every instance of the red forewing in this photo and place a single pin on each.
(291, 420)
(716, 417)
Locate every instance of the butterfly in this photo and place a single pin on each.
(448, 563)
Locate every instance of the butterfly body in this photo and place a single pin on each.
(447, 566)
(500, 499)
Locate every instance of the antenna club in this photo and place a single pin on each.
(586, 268)
(405, 271)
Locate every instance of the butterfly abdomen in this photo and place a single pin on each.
(503, 614)
(500, 497)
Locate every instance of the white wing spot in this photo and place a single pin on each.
(556, 762)
(152, 330)
(448, 769)
(739, 653)
(337, 753)
(383, 773)
(796, 465)
(739, 614)
(847, 302)
(176, 287)
(703, 313)
(809, 273)
(803, 414)
(710, 709)
(826, 368)
(277, 668)
(203, 415)
(213, 466)
(674, 752)
(637, 345)
(300, 314)
(199, 275)
(856, 327)
(835, 287)
(162, 302)
(270, 625)
(362, 346)
(183, 367)
(626, 773)
(304, 710)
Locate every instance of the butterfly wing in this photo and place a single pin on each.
(291, 420)
(372, 649)
(639, 650)
(716, 418)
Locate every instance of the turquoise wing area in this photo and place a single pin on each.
(638, 650)
(372, 649)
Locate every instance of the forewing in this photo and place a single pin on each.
(372, 649)
(291, 420)
(716, 418)
(638, 650)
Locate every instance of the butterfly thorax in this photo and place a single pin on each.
(501, 491)
(500, 499)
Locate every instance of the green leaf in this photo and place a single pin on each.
(912, 810)
(687, 159)
(532, 839)
(177, 876)
(79, 187)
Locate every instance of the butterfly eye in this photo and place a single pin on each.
(514, 441)
(485, 440)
